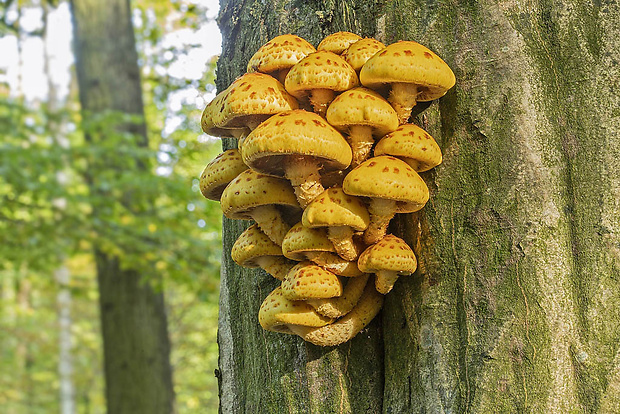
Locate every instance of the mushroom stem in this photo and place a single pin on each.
(381, 212)
(342, 239)
(384, 282)
(281, 74)
(271, 222)
(361, 141)
(403, 98)
(276, 266)
(320, 100)
(240, 134)
(337, 307)
(303, 173)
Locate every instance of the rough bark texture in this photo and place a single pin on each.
(135, 337)
(516, 303)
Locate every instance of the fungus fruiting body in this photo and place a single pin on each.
(413, 145)
(359, 52)
(279, 55)
(388, 259)
(219, 172)
(338, 42)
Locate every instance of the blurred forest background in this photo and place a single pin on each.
(50, 338)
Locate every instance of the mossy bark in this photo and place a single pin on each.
(515, 306)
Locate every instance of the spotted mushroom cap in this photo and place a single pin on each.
(306, 280)
(276, 312)
(320, 70)
(409, 62)
(338, 42)
(335, 208)
(219, 172)
(359, 52)
(251, 245)
(295, 132)
(281, 52)
(251, 99)
(389, 178)
(390, 253)
(301, 240)
(211, 119)
(362, 106)
(413, 145)
(251, 189)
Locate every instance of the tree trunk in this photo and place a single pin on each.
(516, 305)
(135, 337)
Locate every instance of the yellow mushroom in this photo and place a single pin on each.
(306, 280)
(341, 305)
(359, 52)
(413, 145)
(338, 42)
(277, 56)
(219, 172)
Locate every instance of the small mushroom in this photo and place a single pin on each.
(341, 305)
(413, 145)
(303, 243)
(296, 144)
(277, 313)
(255, 196)
(219, 172)
(392, 186)
(306, 280)
(254, 249)
(388, 258)
(346, 327)
(338, 42)
(361, 114)
(342, 215)
(279, 55)
(415, 73)
(359, 52)
(319, 76)
(211, 120)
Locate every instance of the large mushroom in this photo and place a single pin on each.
(254, 249)
(361, 114)
(342, 215)
(338, 42)
(307, 280)
(413, 145)
(260, 197)
(219, 172)
(388, 259)
(296, 145)
(414, 72)
(277, 56)
(359, 52)
(318, 77)
(392, 186)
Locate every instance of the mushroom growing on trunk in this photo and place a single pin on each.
(413, 145)
(219, 172)
(279, 55)
(359, 52)
(338, 42)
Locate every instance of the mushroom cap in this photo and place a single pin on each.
(276, 312)
(251, 99)
(281, 52)
(251, 245)
(335, 208)
(364, 107)
(390, 253)
(219, 172)
(359, 52)
(413, 145)
(295, 132)
(388, 178)
(211, 118)
(301, 240)
(341, 305)
(306, 280)
(338, 42)
(251, 189)
(409, 62)
(320, 70)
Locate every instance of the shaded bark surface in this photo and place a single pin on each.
(135, 338)
(516, 303)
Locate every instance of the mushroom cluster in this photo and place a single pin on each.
(325, 159)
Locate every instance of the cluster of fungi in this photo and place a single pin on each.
(325, 159)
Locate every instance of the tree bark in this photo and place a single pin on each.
(515, 306)
(135, 337)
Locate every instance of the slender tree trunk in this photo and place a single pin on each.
(135, 337)
(516, 304)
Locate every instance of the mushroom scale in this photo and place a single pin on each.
(306, 280)
(219, 172)
(388, 259)
(338, 42)
(359, 52)
(277, 56)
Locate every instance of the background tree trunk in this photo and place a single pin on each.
(135, 337)
(516, 303)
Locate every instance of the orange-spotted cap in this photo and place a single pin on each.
(251, 245)
(295, 132)
(219, 172)
(391, 253)
(306, 280)
(359, 52)
(335, 208)
(363, 107)
(281, 52)
(389, 178)
(413, 145)
(300, 240)
(320, 70)
(338, 42)
(211, 119)
(409, 62)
